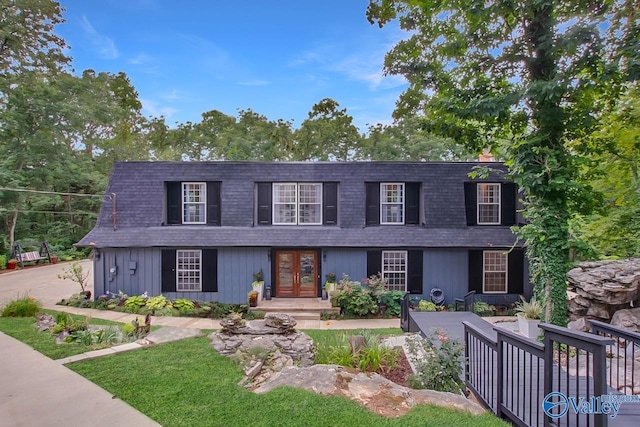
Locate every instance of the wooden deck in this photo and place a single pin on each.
(451, 322)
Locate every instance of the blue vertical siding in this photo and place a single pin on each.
(235, 272)
(344, 260)
(446, 269)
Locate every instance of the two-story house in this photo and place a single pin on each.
(200, 230)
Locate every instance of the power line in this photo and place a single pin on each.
(26, 190)
(48, 212)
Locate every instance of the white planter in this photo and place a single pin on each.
(330, 287)
(258, 287)
(528, 328)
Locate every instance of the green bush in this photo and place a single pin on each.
(425, 305)
(353, 299)
(156, 303)
(134, 302)
(481, 308)
(372, 357)
(24, 306)
(393, 301)
(438, 362)
(3, 262)
(183, 303)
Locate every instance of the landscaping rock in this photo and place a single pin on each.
(604, 287)
(579, 325)
(44, 322)
(273, 323)
(627, 319)
(371, 390)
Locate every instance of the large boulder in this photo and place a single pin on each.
(603, 288)
(371, 390)
(627, 319)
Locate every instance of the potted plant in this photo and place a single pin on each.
(258, 283)
(330, 283)
(529, 314)
(12, 263)
(253, 298)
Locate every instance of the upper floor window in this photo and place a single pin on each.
(494, 267)
(297, 203)
(194, 197)
(191, 202)
(488, 204)
(392, 203)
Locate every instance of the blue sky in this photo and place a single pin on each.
(276, 57)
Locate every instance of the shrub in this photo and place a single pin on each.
(128, 329)
(183, 303)
(372, 357)
(156, 303)
(24, 306)
(481, 308)
(356, 301)
(393, 301)
(3, 262)
(425, 305)
(376, 286)
(134, 302)
(439, 362)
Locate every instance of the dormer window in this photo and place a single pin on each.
(488, 204)
(391, 203)
(194, 197)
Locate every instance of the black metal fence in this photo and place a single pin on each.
(622, 357)
(515, 376)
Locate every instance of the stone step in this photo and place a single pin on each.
(297, 313)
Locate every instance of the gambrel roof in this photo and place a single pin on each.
(140, 206)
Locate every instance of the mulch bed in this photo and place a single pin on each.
(400, 373)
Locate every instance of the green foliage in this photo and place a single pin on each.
(23, 306)
(134, 302)
(425, 305)
(356, 301)
(530, 310)
(183, 304)
(128, 329)
(156, 303)
(481, 308)
(439, 362)
(393, 301)
(3, 262)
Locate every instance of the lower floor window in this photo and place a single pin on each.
(494, 272)
(394, 270)
(189, 270)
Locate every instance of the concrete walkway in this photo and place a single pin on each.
(36, 390)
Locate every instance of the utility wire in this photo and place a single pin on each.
(25, 190)
(48, 212)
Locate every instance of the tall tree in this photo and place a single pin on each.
(531, 71)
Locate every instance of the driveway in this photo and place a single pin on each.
(41, 283)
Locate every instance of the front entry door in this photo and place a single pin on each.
(296, 273)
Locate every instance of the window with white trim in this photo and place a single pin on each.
(488, 204)
(297, 203)
(189, 270)
(494, 268)
(391, 203)
(394, 270)
(194, 198)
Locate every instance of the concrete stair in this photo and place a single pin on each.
(298, 308)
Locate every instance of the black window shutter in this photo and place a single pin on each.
(412, 203)
(168, 270)
(508, 203)
(515, 262)
(471, 202)
(330, 203)
(372, 202)
(174, 203)
(475, 271)
(414, 271)
(213, 203)
(374, 263)
(264, 203)
(209, 270)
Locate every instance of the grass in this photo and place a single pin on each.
(199, 388)
(22, 328)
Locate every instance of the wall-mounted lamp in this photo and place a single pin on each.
(324, 255)
(96, 254)
(133, 266)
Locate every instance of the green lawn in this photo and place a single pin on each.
(186, 383)
(22, 328)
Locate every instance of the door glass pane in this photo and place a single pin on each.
(285, 271)
(307, 270)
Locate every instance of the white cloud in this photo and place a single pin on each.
(174, 95)
(140, 59)
(104, 46)
(254, 82)
(154, 109)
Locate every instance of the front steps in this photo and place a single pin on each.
(298, 308)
